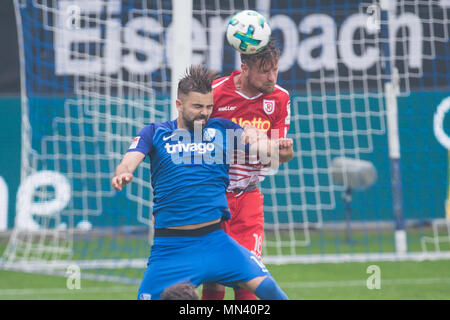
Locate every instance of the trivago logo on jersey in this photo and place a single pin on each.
(256, 122)
(200, 147)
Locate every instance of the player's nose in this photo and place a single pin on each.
(204, 112)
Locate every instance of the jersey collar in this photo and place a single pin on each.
(235, 73)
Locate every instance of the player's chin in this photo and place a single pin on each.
(201, 122)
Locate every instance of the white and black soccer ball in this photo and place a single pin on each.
(248, 32)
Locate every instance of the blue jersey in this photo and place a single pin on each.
(189, 172)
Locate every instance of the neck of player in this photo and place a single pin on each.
(243, 86)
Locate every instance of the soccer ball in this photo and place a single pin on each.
(248, 32)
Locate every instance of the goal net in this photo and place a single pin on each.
(94, 72)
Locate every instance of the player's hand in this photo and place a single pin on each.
(252, 135)
(285, 149)
(119, 181)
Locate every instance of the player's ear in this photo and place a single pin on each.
(244, 67)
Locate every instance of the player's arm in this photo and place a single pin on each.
(261, 145)
(271, 152)
(141, 146)
(124, 171)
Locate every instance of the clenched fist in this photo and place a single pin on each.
(119, 181)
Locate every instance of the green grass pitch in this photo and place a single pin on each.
(399, 280)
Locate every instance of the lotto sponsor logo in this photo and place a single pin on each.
(256, 122)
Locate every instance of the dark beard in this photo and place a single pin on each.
(266, 89)
(190, 124)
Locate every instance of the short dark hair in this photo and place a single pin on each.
(266, 56)
(180, 291)
(197, 78)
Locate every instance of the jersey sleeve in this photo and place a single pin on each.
(143, 142)
(283, 120)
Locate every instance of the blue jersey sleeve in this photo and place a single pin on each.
(143, 142)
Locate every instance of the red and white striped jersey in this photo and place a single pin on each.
(267, 112)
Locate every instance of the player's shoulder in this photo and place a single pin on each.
(226, 83)
(151, 128)
(219, 83)
(222, 123)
